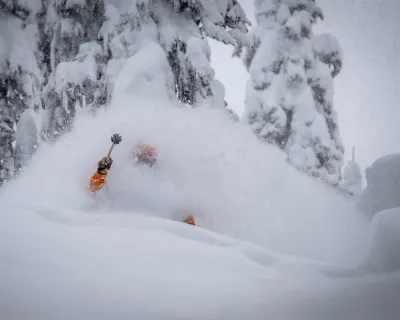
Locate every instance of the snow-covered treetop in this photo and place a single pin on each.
(304, 5)
(290, 93)
(269, 12)
(22, 9)
(223, 20)
(328, 50)
(81, 68)
(384, 169)
(352, 178)
(70, 3)
(16, 48)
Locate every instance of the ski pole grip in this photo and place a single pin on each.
(115, 139)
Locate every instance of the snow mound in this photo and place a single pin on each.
(384, 255)
(123, 265)
(72, 264)
(101, 269)
(383, 183)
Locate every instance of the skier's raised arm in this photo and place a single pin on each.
(99, 177)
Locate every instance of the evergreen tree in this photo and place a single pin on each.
(20, 78)
(74, 61)
(91, 41)
(127, 27)
(289, 99)
(63, 55)
(184, 27)
(352, 177)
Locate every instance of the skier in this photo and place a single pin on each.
(144, 154)
(99, 177)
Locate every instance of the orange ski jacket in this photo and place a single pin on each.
(97, 181)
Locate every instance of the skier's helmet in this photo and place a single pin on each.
(145, 153)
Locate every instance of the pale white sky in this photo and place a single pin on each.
(367, 91)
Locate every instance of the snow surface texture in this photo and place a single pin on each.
(65, 254)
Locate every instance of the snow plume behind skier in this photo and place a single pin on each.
(205, 161)
(144, 157)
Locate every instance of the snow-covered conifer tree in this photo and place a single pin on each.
(289, 100)
(80, 47)
(184, 27)
(128, 26)
(352, 177)
(20, 78)
(74, 60)
(90, 42)
(181, 28)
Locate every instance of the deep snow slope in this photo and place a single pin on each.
(121, 255)
(73, 265)
(70, 264)
(384, 253)
(272, 243)
(238, 186)
(208, 164)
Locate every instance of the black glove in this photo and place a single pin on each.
(104, 164)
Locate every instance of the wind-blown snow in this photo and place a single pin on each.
(244, 188)
(65, 254)
(27, 134)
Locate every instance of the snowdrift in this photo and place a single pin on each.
(58, 264)
(70, 264)
(384, 254)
